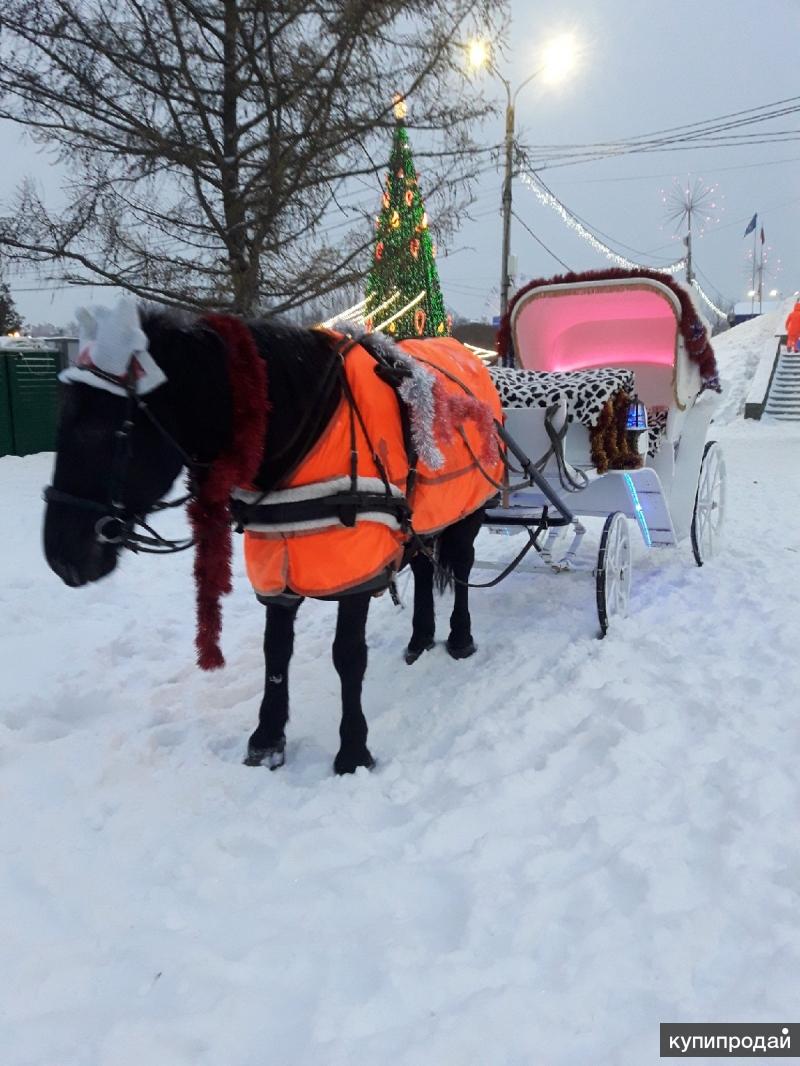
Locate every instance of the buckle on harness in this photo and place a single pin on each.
(347, 513)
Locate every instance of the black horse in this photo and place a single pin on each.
(191, 415)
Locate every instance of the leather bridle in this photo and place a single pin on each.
(115, 525)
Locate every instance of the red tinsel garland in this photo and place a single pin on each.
(693, 331)
(455, 408)
(238, 464)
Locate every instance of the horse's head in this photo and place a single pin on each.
(113, 462)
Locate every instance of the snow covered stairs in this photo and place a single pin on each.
(783, 401)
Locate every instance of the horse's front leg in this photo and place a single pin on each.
(350, 660)
(267, 745)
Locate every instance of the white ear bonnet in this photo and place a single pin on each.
(112, 340)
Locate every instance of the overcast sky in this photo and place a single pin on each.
(646, 66)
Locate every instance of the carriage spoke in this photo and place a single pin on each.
(709, 508)
(614, 570)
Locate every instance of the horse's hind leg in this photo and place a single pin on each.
(423, 626)
(267, 745)
(350, 660)
(457, 555)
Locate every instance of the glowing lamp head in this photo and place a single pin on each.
(400, 108)
(559, 58)
(478, 54)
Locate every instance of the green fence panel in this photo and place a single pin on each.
(6, 425)
(33, 389)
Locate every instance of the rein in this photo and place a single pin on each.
(115, 525)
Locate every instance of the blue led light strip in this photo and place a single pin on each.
(640, 518)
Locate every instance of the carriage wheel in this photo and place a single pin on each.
(709, 504)
(613, 574)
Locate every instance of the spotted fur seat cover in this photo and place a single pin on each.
(586, 391)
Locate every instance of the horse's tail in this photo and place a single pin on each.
(444, 561)
(454, 551)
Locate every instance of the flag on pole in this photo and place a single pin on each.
(751, 225)
(762, 234)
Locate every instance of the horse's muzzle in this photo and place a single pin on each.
(72, 549)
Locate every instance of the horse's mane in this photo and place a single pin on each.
(302, 395)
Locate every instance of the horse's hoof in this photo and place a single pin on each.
(272, 757)
(347, 762)
(412, 654)
(461, 653)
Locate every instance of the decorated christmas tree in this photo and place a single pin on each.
(404, 264)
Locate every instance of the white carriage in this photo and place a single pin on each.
(676, 488)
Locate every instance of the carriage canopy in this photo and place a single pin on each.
(599, 321)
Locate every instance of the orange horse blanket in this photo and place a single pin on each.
(323, 557)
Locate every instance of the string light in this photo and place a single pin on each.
(707, 300)
(549, 200)
(401, 312)
(352, 314)
(380, 307)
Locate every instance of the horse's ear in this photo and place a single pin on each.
(87, 324)
(112, 341)
(124, 327)
(126, 314)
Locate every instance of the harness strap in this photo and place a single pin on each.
(354, 410)
(533, 537)
(557, 438)
(343, 506)
(392, 373)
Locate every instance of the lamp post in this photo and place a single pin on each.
(559, 57)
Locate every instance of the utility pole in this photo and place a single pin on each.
(506, 253)
(558, 60)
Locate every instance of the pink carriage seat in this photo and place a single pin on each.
(629, 324)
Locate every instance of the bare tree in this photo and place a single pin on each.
(226, 153)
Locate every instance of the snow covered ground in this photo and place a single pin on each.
(566, 841)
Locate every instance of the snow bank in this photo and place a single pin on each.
(738, 353)
(566, 841)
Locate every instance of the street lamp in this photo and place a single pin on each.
(558, 59)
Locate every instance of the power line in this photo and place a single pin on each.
(548, 250)
(671, 174)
